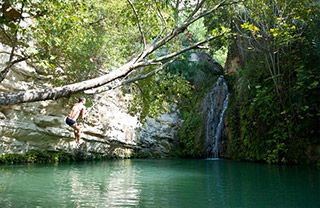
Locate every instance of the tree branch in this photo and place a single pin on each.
(98, 21)
(6, 34)
(164, 24)
(4, 72)
(6, 52)
(199, 5)
(176, 14)
(177, 31)
(130, 80)
(163, 21)
(143, 76)
(64, 91)
(139, 25)
(159, 35)
(123, 71)
(171, 55)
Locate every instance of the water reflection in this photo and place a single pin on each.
(159, 183)
(99, 185)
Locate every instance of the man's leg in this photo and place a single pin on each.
(77, 132)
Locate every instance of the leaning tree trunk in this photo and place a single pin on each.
(140, 61)
(64, 91)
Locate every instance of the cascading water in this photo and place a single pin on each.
(219, 99)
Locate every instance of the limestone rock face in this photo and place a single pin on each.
(202, 57)
(235, 59)
(156, 138)
(108, 129)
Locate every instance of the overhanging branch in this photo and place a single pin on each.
(138, 22)
(164, 24)
(179, 30)
(64, 91)
(171, 55)
(144, 76)
(130, 80)
(5, 71)
(10, 63)
(123, 71)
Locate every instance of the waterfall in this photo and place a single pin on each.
(218, 103)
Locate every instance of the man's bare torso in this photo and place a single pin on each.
(76, 110)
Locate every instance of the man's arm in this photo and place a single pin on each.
(82, 112)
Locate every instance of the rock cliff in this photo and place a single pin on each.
(109, 129)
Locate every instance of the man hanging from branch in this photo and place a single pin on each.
(77, 110)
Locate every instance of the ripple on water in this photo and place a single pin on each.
(159, 183)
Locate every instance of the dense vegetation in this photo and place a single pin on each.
(76, 40)
(191, 142)
(37, 156)
(274, 113)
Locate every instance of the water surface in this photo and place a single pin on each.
(159, 183)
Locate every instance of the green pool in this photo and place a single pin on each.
(159, 183)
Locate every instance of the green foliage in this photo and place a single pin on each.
(73, 40)
(198, 31)
(280, 24)
(36, 156)
(190, 134)
(221, 55)
(10, 159)
(154, 95)
(197, 73)
(77, 40)
(141, 154)
(33, 156)
(216, 23)
(266, 127)
(187, 135)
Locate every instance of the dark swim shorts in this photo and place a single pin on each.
(70, 122)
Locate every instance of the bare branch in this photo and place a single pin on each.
(163, 21)
(176, 14)
(6, 52)
(193, 18)
(138, 21)
(171, 55)
(130, 80)
(64, 91)
(98, 21)
(159, 35)
(4, 72)
(199, 5)
(143, 76)
(177, 31)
